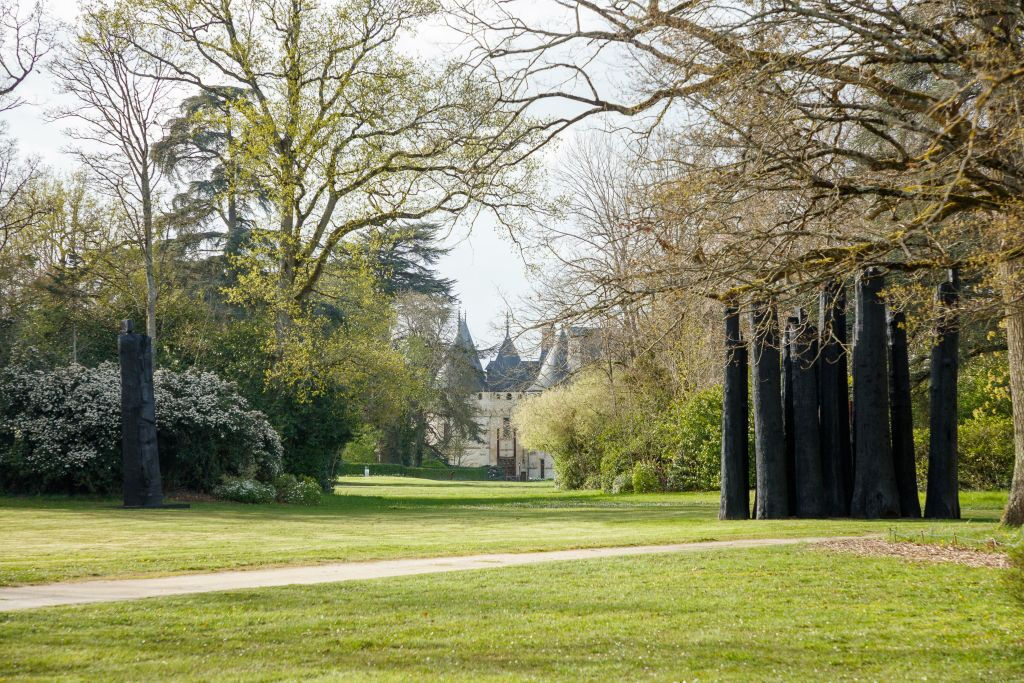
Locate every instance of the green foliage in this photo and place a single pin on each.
(596, 440)
(300, 490)
(985, 453)
(645, 478)
(241, 490)
(694, 429)
(363, 447)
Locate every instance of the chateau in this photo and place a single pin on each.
(505, 381)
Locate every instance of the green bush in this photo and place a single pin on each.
(985, 453)
(696, 438)
(302, 490)
(242, 490)
(645, 478)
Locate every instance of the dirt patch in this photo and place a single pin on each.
(917, 552)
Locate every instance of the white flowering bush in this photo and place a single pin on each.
(242, 490)
(301, 490)
(60, 431)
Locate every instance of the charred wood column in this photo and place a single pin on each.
(833, 399)
(769, 438)
(142, 487)
(902, 418)
(943, 500)
(735, 502)
(787, 410)
(874, 485)
(810, 495)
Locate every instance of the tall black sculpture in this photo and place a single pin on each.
(735, 501)
(803, 353)
(834, 400)
(142, 486)
(772, 497)
(902, 419)
(942, 500)
(874, 486)
(792, 322)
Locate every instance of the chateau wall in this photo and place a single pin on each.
(494, 414)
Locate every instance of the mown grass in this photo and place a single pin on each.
(51, 539)
(768, 614)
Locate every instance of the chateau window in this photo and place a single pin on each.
(542, 468)
(480, 396)
(506, 427)
(508, 397)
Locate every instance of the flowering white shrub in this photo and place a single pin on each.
(60, 431)
(301, 490)
(243, 490)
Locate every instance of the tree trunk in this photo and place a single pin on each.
(803, 351)
(943, 499)
(787, 412)
(902, 416)
(1011, 272)
(769, 437)
(147, 248)
(833, 399)
(874, 487)
(735, 500)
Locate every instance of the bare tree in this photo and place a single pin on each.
(118, 114)
(817, 138)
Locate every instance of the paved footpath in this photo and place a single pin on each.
(74, 593)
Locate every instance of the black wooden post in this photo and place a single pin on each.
(787, 410)
(142, 486)
(810, 495)
(833, 399)
(735, 502)
(874, 486)
(902, 419)
(943, 499)
(772, 501)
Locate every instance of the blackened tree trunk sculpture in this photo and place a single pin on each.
(833, 399)
(803, 349)
(942, 500)
(769, 438)
(142, 487)
(735, 501)
(874, 487)
(902, 419)
(787, 411)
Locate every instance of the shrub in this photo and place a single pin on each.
(60, 431)
(302, 490)
(645, 478)
(985, 453)
(243, 490)
(695, 434)
(622, 484)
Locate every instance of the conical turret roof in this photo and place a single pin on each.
(463, 369)
(556, 365)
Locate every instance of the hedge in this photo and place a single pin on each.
(447, 473)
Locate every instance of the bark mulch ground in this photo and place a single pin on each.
(917, 552)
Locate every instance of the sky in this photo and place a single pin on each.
(490, 276)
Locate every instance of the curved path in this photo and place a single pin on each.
(73, 593)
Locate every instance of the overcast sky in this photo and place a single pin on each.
(484, 261)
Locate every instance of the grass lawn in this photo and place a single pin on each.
(50, 539)
(790, 613)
